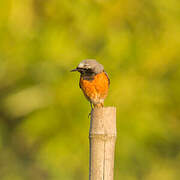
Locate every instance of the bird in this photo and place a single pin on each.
(94, 82)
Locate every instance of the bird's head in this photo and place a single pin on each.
(89, 67)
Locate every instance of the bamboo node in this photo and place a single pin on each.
(103, 137)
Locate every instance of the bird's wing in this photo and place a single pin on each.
(107, 77)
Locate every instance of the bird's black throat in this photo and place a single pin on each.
(87, 74)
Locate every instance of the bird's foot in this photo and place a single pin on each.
(100, 105)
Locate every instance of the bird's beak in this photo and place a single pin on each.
(73, 70)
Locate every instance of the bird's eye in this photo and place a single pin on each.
(87, 66)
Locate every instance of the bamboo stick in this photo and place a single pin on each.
(102, 137)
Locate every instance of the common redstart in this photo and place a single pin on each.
(94, 81)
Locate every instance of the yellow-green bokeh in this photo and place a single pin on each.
(43, 114)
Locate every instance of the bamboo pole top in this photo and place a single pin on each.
(103, 123)
(102, 138)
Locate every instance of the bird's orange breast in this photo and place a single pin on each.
(96, 89)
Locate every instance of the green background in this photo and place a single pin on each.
(43, 114)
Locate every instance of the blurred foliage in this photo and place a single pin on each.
(43, 115)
